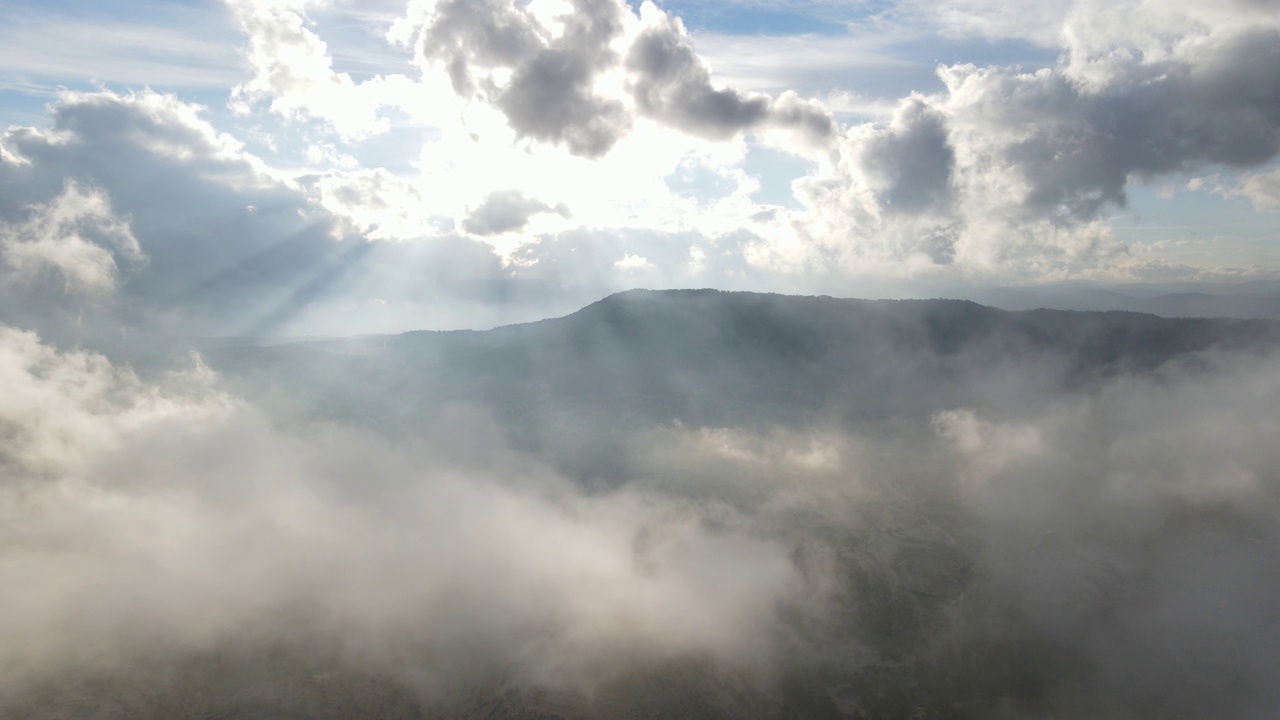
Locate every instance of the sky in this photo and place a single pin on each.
(331, 167)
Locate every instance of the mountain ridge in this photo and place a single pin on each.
(711, 358)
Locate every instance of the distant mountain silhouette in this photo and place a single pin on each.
(706, 357)
(1256, 299)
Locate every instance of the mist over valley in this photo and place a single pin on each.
(639, 359)
(668, 503)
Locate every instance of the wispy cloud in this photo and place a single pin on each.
(44, 49)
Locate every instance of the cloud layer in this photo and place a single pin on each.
(132, 533)
(1120, 539)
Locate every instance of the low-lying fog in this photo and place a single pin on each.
(183, 544)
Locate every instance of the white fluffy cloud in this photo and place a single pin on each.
(293, 73)
(76, 237)
(1263, 189)
(533, 131)
(1014, 172)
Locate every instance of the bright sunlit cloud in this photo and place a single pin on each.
(743, 146)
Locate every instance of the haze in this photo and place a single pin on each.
(590, 359)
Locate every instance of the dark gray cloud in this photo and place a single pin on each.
(1078, 146)
(506, 211)
(550, 96)
(812, 122)
(551, 92)
(671, 83)
(490, 33)
(549, 99)
(910, 163)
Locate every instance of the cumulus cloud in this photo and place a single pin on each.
(75, 236)
(557, 73)
(1062, 149)
(1005, 174)
(294, 72)
(910, 163)
(672, 84)
(137, 197)
(1079, 146)
(1015, 172)
(550, 97)
(506, 211)
(220, 231)
(551, 92)
(227, 245)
